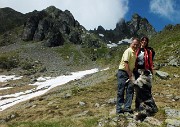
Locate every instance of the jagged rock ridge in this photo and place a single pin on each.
(52, 25)
(136, 27)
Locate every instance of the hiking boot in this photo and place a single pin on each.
(141, 116)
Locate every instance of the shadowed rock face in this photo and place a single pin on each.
(51, 25)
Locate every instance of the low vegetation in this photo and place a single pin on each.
(9, 60)
(55, 109)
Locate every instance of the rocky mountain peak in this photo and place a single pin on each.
(136, 27)
(51, 9)
(140, 26)
(136, 16)
(100, 29)
(50, 25)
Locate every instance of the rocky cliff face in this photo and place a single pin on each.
(140, 26)
(55, 27)
(52, 25)
(136, 27)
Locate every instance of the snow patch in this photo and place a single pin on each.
(5, 78)
(43, 85)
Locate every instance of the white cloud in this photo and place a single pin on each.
(90, 13)
(165, 8)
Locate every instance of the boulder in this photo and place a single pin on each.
(162, 75)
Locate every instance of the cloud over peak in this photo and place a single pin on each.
(90, 13)
(165, 8)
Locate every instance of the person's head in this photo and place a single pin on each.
(144, 42)
(135, 44)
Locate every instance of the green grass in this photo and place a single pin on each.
(10, 37)
(9, 60)
(43, 124)
(64, 122)
(80, 55)
(63, 111)
(166, 44)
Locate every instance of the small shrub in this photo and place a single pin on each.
(27, 65)
(8, 61)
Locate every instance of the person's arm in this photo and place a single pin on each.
(127, 69)
(153, 52)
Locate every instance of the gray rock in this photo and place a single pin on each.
(176, 76)
(82, 103)
(112, 101)
(2, 121)
(173, 62)
(176, 98)
(172, 122)
(162, 75)
(82, 114)
(97, 105)
(132, 124)
(67, 95)
(153, 121)
(172, 113)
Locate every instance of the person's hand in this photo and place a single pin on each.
(130, 75)
(132, 78)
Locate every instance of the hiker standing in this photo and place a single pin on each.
(127, 64)
(144, 62)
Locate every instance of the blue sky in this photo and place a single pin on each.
(92, 13)
(158, 12)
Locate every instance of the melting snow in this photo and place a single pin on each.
(44, 85)
(4, 78)
(4, 88)
(124, 41)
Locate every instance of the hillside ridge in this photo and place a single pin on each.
(90, 101)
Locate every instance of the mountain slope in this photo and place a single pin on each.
(167, 45)
(10, 19)
(88, 102)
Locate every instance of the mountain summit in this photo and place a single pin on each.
(52, 24)
(136, 27)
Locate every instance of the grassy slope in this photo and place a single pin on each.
(52, 109)
(166, 44)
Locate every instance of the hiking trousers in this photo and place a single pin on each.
(124, 93)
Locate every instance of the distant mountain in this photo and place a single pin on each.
(51, 26)
(136, 27)
(10, 19)
(27, 35)
(52, 23)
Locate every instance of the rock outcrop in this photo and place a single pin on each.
(55, 27)
(51, 26)
(136, 27)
